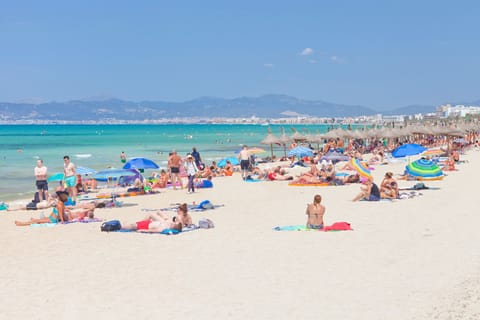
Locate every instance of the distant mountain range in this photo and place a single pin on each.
(266, 106)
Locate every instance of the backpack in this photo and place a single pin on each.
(205, 223)
(32, 205)
(206, 204)
(112, 225)
(420, 186)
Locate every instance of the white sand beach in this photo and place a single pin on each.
(405, 259)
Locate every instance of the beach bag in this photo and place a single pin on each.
(32, 206)
(205, 223)
(206, 204)
(420, 186)
(112, 225)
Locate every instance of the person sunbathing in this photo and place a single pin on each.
(57, 214)
(315, 212)
(227, 170)
(352, 178)
(182, 216)
(389, 187)
(154, 222)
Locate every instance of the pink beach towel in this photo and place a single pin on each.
(338, 226)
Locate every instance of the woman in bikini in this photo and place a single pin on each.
(389, 187)
(315, 212)
(56, 216)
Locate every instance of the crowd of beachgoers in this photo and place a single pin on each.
(336, 162)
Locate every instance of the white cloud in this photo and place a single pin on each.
(306, 52)
(268, 65)
(336, 59)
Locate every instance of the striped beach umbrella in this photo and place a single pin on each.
(434, 152)
(425, 169)
(360, 167)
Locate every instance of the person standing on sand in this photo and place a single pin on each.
(40, 172)
(174, 163)
(192, 170)
(244, 157)
(70, 177)
(198, 159)
(123, 157)
(315, 212)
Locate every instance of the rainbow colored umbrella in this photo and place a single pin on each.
(360, 167)
(424, 169)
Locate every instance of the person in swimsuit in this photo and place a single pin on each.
(389, 187)
(40, 172)
(182, 215)
(315, 212)
(123, 157)
(57, 215)
(174, 163)
(70, 177)
(369, 191)
(154, 222)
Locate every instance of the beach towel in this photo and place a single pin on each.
(84, 220)
(337, 226)
(167, 232)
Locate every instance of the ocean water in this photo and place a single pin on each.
(99, 146)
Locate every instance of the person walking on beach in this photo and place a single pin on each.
(123, 157)
(198, 159)
(244, 157)
(315, 212)
(40, 172)
(192, 170)
(70, 177)
(174, 163)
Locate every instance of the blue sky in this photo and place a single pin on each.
(381, 54)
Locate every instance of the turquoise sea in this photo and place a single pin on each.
(99, 146)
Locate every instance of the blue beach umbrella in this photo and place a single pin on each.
(113, 174)
(409, 149)
(56, 177)
(234, 161)
(85, 171)
(300, 152)
(140, 163)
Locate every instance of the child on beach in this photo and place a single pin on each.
(315, 212)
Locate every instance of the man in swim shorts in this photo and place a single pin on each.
(174, 163)
(70, 177)
(40, 172)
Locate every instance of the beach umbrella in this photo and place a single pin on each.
(56, 177)
(300, 152)
(296, 136)
(85, 171)
(113, 174)
(140, 163)
(434, 152)
(360, 167)
(335, 156)
(424, 169)
(234, 161)
(409, 149)
(252, 150)
(271, 139)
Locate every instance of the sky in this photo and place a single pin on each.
(380, 54)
